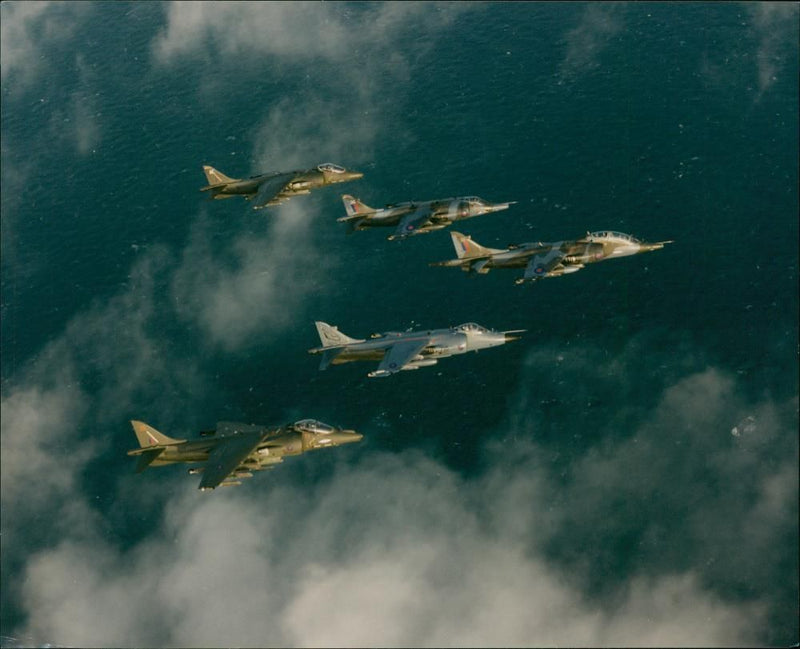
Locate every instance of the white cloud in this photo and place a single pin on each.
(33, 425)
(599, 23)
(77, 122)
(299, 134)
(415, 567)
(398, 550)
(25, 27)
(292, 31)
(58, 404)
(255, 284)
(775, 25)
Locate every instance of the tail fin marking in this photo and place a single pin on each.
(355, 207)
(215, 177)
(466, 247)
(331, 336)
(149, 437)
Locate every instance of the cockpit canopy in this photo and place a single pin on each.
(474, 200)
(471, 327)
(313, 426)
(610, 234)
(329, 166)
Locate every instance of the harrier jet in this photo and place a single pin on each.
(413, 217)
(409, 350)
(233, 451)
(273, 188)
(546, 259)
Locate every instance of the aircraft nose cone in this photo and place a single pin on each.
(348, 437)
(353, 175)
(508, 337)
(497, 207)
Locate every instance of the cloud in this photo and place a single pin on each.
(77, 122)
(323, 130)
(297, 31)
(775, 25)
(649, 538)
(253, 285)
(615, 505)
(55, 410)
(387, 552)
(663, 487)
(599, 23)
(344, 67)
(25, 28)
(257, 283)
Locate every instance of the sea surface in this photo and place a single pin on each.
(631, 462)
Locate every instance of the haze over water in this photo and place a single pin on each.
(625, 474)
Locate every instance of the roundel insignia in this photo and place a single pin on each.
(539, 270)
(409, 227)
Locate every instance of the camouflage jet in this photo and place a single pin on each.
(409, 350)
(273, 188)
(546, 259)
(413, 217)
(233, 451)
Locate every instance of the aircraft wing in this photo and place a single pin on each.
(413, 221)
(399, 355)
(227, 456)
(271, 190)
(542, 263)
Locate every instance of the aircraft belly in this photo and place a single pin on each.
(242, 188)
(383, 220)
(509, 262)
(197, 456)
(366, 355)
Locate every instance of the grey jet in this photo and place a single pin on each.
(407, 350)
(414, 217)
(542, 260)
(233, 450)
(266, 190)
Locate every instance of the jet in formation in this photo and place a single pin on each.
(266, 190)
(542, 260)
(233, 451)
(408, 350)
(416, 217)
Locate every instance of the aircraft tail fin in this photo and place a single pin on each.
(149, 437)
(466, 247)
(331, 336)
(215, 178)
(355, 208)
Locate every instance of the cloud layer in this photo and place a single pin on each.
(389, 552)
(630, 497)
(398, 550)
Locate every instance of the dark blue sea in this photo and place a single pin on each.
(626, 474)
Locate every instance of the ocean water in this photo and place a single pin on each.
(633, 458)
